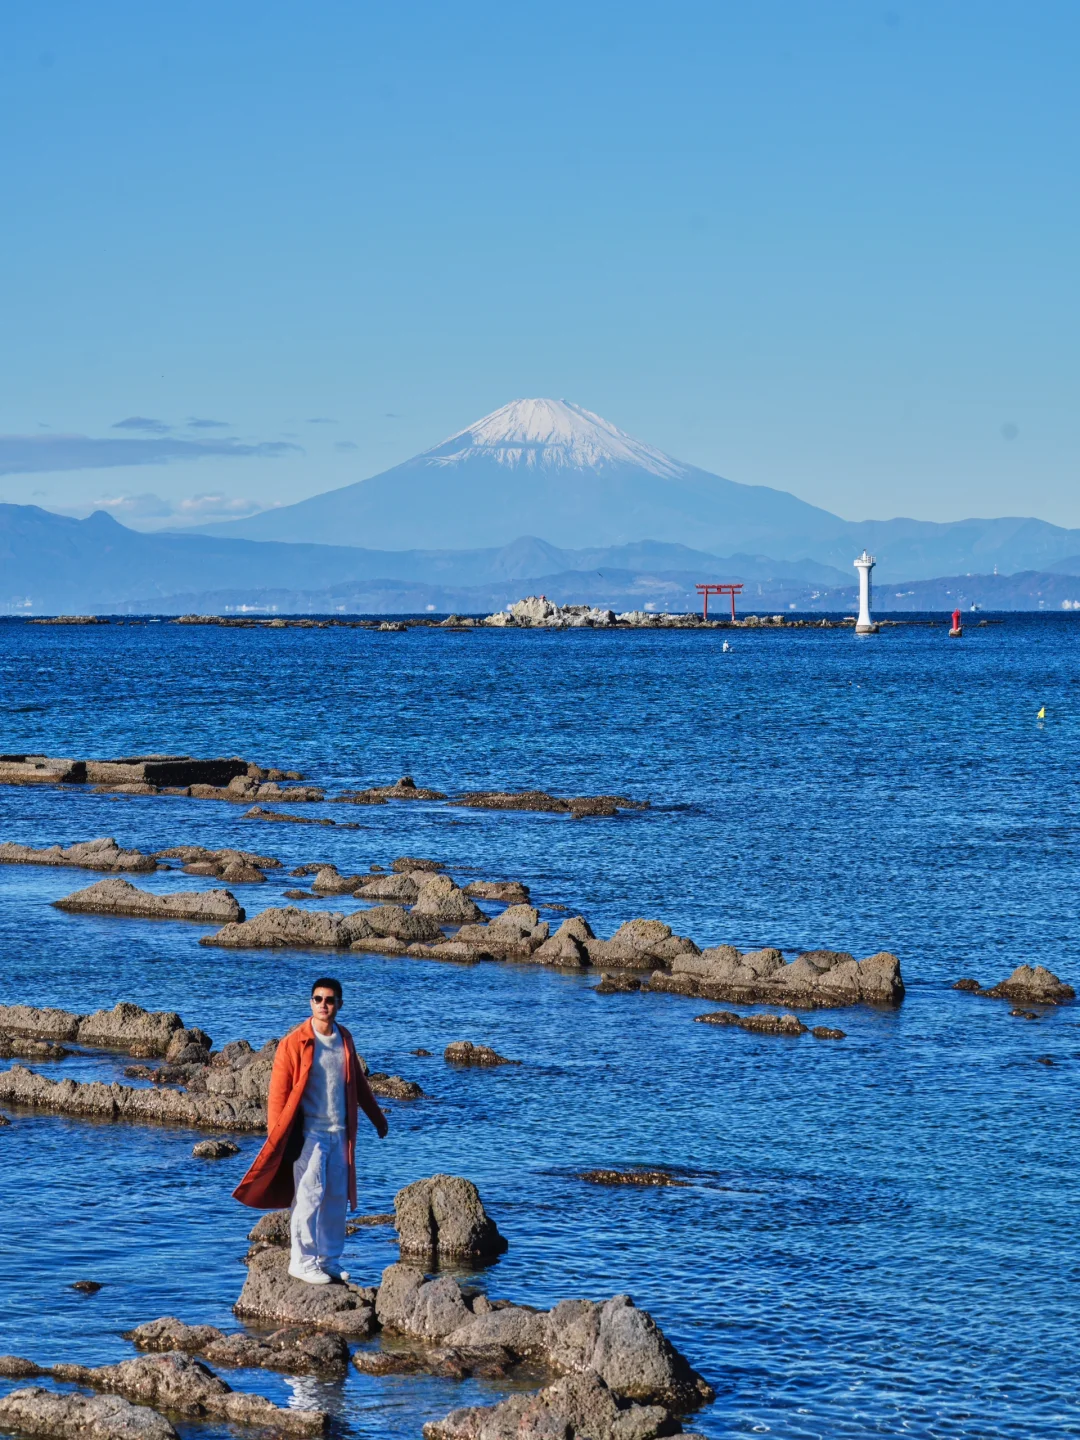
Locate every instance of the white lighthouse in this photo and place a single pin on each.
(864, 625)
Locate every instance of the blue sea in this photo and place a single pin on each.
(879, 1234)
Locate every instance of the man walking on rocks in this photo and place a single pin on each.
(308, 1162)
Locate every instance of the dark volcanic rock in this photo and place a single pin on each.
(103, 854)
(402, 889)
(393, 1087)
(445, 902)
(615, 1340)
(405, 789)
(629, 1177)
(443, 1217)
(492, 1363)
(124, 1027)
(406, 864)
(19, 1047)
(290, 928)
(825, 1032)
(215, 1150)
(261, 812)
(818, 979)
(93, 1099)
(464, 1052)
(539, 800)
(120, 897)
(1034, 985)
(394, 922)
(576, 1407)
(616, 984)
(967, 983)
(298, 1351)
(640, 945)
(87, 1287)
(757, 1024)
(510, 891)
(270, 1293)
(37, 1411)
(179, 1383)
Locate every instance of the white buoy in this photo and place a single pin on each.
(864, 625)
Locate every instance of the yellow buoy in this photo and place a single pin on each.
(1042, 713)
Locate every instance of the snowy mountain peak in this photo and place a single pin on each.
(551, 434)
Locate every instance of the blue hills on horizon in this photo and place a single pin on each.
(53, 564)
(538, 493)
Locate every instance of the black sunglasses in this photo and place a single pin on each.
(324, 999)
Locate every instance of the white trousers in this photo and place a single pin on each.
(317, 1219)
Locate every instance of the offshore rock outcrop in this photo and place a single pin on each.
(401, 889)
(443, 1218)
(123, 1027)
(37, 1411)
(214, 1150)
(446, 903)
(404, 789)
(185, 1386)
(576, 1407)
(511, 892)
(294, 1350)
(577, 806)
(818, 979)
(235, 867)
(291, 928)
(101, 854)
(96, 1100)
(515, 934)
(630, 1177)
(464, 1052)
(1028, 984)
(640, 945)
(120, 897)
(614, 1340)
(757, 1024)
(262, 812)
(20, 1047)
(270, 1293)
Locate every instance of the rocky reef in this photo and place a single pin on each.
(120, 897)
(102, 854)
(37, 1411)
(576, 1407)
(124, 1027)
(818, 979)
(296, 1350)
(1028, 984)
(175, 1382)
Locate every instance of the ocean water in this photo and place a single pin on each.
(879, 1234)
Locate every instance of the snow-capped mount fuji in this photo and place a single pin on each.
(551, 469)
(551, 435)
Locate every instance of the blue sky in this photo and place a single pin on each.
(829, 247)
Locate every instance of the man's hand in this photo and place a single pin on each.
(383, 1127)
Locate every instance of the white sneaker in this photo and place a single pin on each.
(310, 1274)
(333, 1269)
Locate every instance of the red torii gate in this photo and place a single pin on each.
(706, 590)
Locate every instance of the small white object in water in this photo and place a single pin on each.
(726, 646)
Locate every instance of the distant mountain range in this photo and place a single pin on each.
(549, 468)
(51, 563)
(473, 523)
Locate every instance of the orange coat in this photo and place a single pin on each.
(268, 1184)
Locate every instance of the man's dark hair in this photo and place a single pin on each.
(330, 983)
